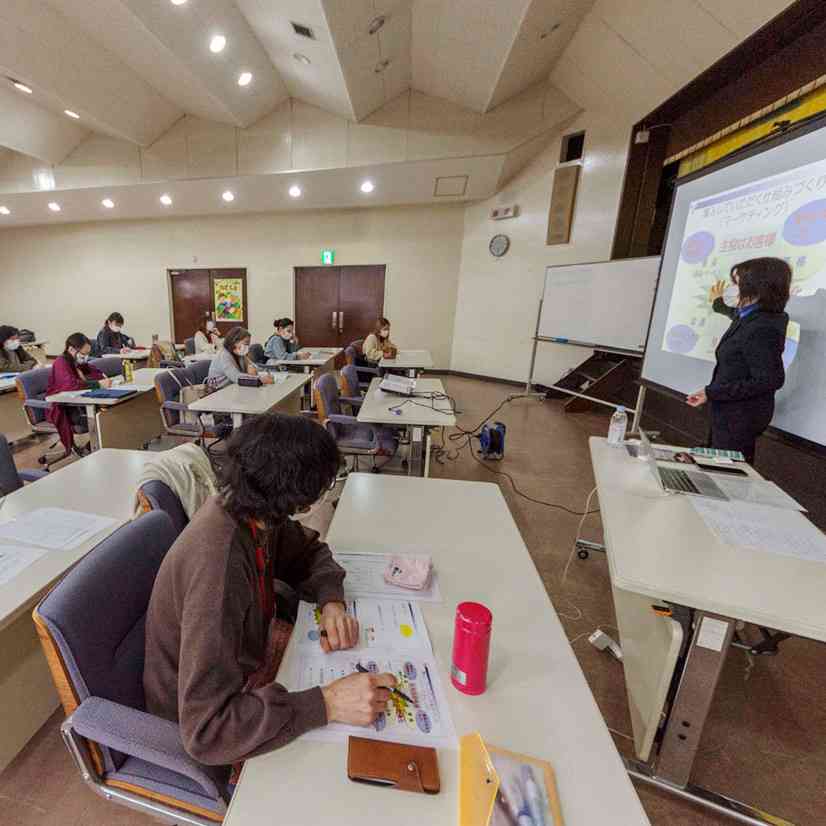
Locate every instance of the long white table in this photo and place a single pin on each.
(321, 360)
(284, 394)
(411, 361)
(537, 701)
(419, 414)
(102, 483)
(660, 552)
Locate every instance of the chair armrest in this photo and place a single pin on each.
(140, 735)
(37, 404)
(32, 475)
(180, 406)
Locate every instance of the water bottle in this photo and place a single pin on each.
(619, 424)
(471, 647)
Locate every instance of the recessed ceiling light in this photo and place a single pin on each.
(302, 58)
(295, 191)
(21, 86)
(54, 206)
(367, 186)
(228, 196)
(217, 43)
(376, 23)
(108, 203)
(4, 210)
(245, 78)
(72, 114)
(166, 200)
(178, 2)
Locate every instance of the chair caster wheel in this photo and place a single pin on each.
(582, 554)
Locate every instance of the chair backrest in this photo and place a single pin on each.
(350, 354)
(32, 385)
(189, 346)
(357, 345)
(198, 371)
(326, 395)
(257, 354)
(10, 480)
(168, 389)
(157, 496)
(96, 618)
(110, 366)
(350, 376)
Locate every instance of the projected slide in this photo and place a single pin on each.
(782, 216)
(770, 202)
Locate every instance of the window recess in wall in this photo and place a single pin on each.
(563, 193)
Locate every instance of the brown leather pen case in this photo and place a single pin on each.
(410, 768)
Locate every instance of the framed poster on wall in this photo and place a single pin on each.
(228, 300)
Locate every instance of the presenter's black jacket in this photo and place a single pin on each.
(749, 371)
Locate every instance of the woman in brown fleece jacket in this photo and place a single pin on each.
(214, 600)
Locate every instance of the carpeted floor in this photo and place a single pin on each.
(765, 741)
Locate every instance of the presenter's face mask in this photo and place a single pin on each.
(731, 295)
(12, 344)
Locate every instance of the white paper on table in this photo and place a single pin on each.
(427, 723)
(13, 560)
(54, 528)
(775, 530)
(756, 492)
(365, 578)
(391, 625)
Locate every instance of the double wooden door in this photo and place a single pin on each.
(194, 299)
(337, 305)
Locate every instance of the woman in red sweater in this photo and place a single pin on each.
(71, 371)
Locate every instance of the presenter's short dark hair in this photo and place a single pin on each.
(766, 279)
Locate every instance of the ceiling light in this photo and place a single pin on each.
(228, 196)
(367, 187)
(295, 191)
(244, 78)
(217, 43)
(381, 66)
(302, 58)
(166, 200)
(54, 206)
(178, 2)
(4, 210)
(21, 86)
(108, 203)
(376, 23)
(72, 114)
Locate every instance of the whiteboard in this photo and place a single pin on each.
(607, 304)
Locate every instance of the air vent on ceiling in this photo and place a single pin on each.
(302, 31)
(448, 186)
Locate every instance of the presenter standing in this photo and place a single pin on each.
(749, 369)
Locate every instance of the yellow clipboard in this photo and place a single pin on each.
(483, 799)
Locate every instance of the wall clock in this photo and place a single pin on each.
(499, 245)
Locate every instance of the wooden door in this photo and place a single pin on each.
(193, 299)
(337, 305)
(360, 301)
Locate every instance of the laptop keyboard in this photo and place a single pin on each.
(677, 480)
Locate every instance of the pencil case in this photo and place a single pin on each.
(413, 572)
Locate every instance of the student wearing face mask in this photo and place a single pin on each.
(218, 619)
(378, 342)
(231, 361)
(207, 337)
(13, 357)
(283, 345)
(111, 339)
(71, 371)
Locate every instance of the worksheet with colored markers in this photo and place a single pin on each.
(387, 624)
(424, 721)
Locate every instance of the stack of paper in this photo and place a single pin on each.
(393, 639)
(365, 578)
(54, 528)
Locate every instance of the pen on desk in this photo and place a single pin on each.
(363, 670)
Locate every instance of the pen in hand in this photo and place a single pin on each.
(363, 670)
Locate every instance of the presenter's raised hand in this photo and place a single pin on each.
(716, 291)
(697, 399)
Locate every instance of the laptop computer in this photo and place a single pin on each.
(677, 480)
(398, 385)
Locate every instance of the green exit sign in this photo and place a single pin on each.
(328, 256)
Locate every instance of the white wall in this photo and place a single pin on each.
(499, 298)
(60, 279)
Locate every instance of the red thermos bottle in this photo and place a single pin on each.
(471, 645)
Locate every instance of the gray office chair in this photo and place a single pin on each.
(189, 346)
(110, 366)
(257, 355)
(12, 479)
(158, 496)
(92, 628)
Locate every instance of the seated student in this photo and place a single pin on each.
(231, 362)
(207, 337)
(214, 600)
(283, 345)
(71, 371)
(13, 357)
(111, 339)
(378, 342)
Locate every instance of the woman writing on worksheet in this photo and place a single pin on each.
(749, 369)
